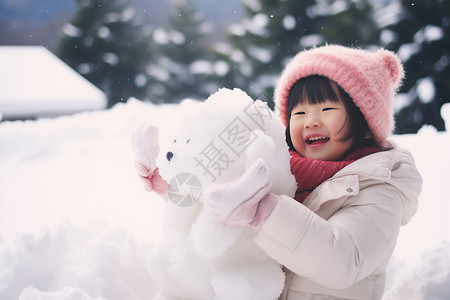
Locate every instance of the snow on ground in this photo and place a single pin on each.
(75, 223)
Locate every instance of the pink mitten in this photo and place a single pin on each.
(146, 149)
(238, 202)
(146, 145)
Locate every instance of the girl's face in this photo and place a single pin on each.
(317, 130)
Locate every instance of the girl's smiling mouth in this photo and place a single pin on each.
(316, 140)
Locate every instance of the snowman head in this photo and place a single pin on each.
(207, 142)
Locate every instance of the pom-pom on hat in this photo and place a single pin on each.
(370, 78)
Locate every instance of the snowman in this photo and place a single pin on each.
(202, 145)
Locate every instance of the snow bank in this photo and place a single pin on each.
(68, 262)
(75, 222)
(420, 266)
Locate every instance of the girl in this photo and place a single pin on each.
(355, 188)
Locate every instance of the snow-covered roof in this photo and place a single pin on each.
(35, 83)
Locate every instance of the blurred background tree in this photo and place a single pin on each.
(272, 32)
(346, 22)
(165, 51)
(259, 45)
(183, 61)
(421, 36)
(108, 44)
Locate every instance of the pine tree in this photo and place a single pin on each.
(109, 46)
(273, 31)
(349, 22)
(269, 33)
(421, 36)
(183, 65)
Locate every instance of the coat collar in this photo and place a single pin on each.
(377, 166)
(329, 196)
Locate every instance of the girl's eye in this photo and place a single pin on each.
(300, 113)
(328, 108)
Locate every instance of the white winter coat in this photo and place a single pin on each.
(338, 243)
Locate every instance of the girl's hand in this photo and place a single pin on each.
(151, 180)
(238, 202)
(146, 149)
(146, 145)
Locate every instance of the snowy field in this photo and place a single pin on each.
(76, 224)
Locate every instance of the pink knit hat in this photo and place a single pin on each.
(370, 78)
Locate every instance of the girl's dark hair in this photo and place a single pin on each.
(317, 89)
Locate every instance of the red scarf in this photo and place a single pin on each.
(309, 173)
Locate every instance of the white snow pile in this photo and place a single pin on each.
(76, 223)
